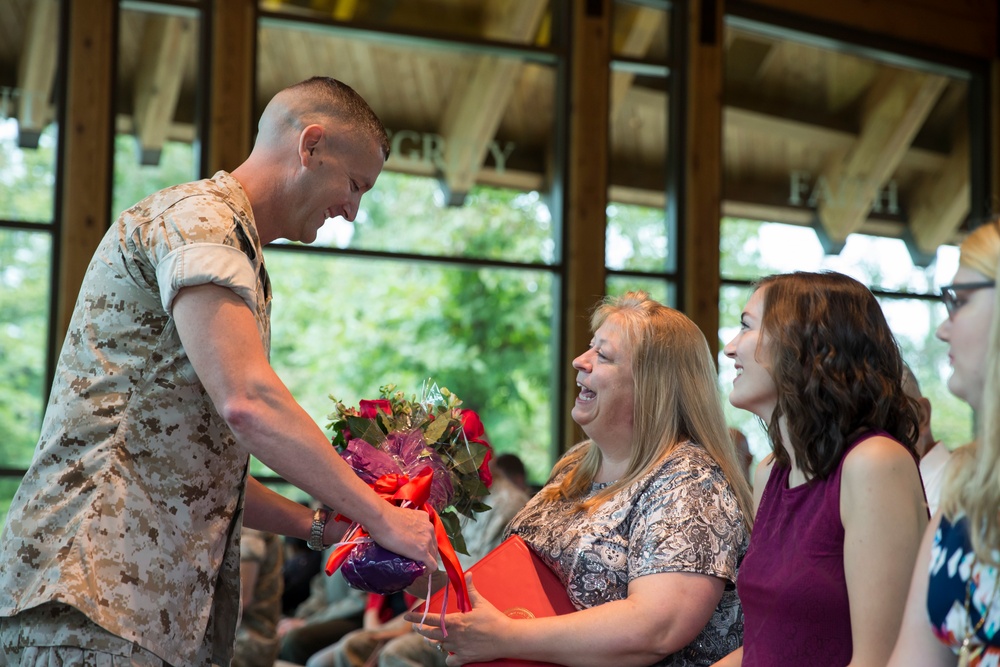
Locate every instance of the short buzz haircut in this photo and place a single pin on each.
(336, 99)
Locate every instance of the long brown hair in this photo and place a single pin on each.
(676, 400)
(836, 366)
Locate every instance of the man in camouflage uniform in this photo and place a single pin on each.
(122, 542)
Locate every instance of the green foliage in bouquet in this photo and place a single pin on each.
(449, 438)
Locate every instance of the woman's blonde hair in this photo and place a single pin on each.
(973, 484)
(676, 399)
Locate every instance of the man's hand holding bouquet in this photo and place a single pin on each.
(429, 455)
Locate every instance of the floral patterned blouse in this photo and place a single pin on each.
(956, 576)
(681, 517)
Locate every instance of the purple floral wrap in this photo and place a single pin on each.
(370, 567)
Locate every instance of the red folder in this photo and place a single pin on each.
(516, 581)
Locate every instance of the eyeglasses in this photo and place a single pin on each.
(949, 294)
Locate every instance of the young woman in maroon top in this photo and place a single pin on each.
(839, 504)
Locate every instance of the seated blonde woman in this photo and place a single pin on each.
(645, 522)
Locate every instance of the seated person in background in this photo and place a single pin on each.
(506, 499)
(301, 565)
(260, 599)
(933, 455)
(513, 469)
(395, 643)
(645, 522)
(332, 610)
(383, 621)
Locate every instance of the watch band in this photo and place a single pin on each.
(315, 541)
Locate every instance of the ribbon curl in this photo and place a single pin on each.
(402, 491)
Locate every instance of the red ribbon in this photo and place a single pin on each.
(397, 489)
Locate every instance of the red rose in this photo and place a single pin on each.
(485, 474)
(472, 426)
(369, 409)
(474, 431)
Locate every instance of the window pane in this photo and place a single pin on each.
(459, 118)
(346, 326)
(657, 288)
(157, 97)
(637, 169)
(636, 238)
(846, 138)
(24, 328)
(731, 302)
(400, 215)
(27, 176)
(519, 22)
(640, 31)
(134, 182)
(752, 249)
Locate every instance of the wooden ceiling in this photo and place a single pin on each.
(810, 134)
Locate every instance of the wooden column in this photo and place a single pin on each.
(586, 184)
(231, 116)
(87, 136)
(703, 167)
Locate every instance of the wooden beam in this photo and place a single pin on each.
(474, 113)
(824, 138)
(942, 204)
(586, 187)
(166, 43)
(231, 103)
(795, 215)
(85, 211)
(511, 179)
(634, 33)
(747, 56)
(896, 108)
(703, 168)
(37, 72)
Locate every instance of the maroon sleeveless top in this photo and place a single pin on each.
(791, 583)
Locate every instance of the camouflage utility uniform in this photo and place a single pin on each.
(130, 511)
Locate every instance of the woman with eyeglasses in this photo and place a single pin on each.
(953, 610)
(839, 505)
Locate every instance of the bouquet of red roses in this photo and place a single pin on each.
(426, 453)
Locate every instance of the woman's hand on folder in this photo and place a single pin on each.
(479, 635)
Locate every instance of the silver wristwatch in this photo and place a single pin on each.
(315, 541)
